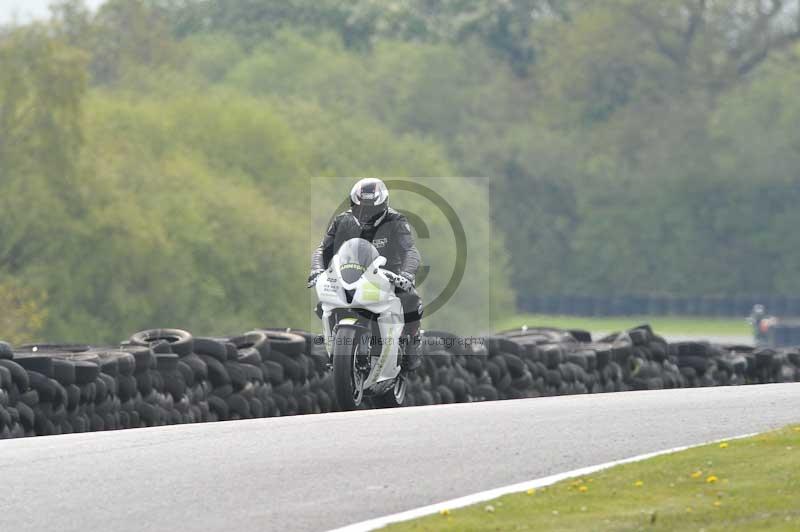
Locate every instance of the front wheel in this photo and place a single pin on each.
(348, 380)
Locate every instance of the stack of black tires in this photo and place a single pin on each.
(167, 376)
(534, 362)
(161, 377)
(57, 389)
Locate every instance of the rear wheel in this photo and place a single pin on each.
(348, 379)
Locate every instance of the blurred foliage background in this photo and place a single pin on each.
(155, 155)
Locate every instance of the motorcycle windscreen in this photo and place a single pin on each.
(354, 257)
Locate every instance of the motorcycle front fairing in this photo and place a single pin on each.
(371, 291)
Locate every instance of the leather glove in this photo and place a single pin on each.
(312, 278)
(404, 282)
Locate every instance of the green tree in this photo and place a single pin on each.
(42, 84)
(24, 312)
(122, 37)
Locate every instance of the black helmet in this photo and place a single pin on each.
(369, 201)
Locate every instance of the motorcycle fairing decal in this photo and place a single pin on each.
(370, 292)
(352, 266)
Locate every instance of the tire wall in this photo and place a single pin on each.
(166, 376)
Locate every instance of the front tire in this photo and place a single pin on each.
(349, 392)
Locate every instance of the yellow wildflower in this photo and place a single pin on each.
(711, 479)
(723, 445)
(638, 483)
(532, 491)
(444, 512)
(583, 489)
(697, 474)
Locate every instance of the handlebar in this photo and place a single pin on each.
(389, 275)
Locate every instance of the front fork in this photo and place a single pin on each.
(389, 355)
(329, 330)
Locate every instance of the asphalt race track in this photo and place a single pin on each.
(318, 472)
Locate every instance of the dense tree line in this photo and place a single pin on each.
(155, 155)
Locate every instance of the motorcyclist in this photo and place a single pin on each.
(760, 322)
(370, 218)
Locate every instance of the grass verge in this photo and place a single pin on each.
(661, 324)
(748, 484)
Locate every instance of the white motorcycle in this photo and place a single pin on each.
(362, 321)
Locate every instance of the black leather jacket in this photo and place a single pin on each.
(392, 237)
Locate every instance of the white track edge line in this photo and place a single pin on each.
(489, 495)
